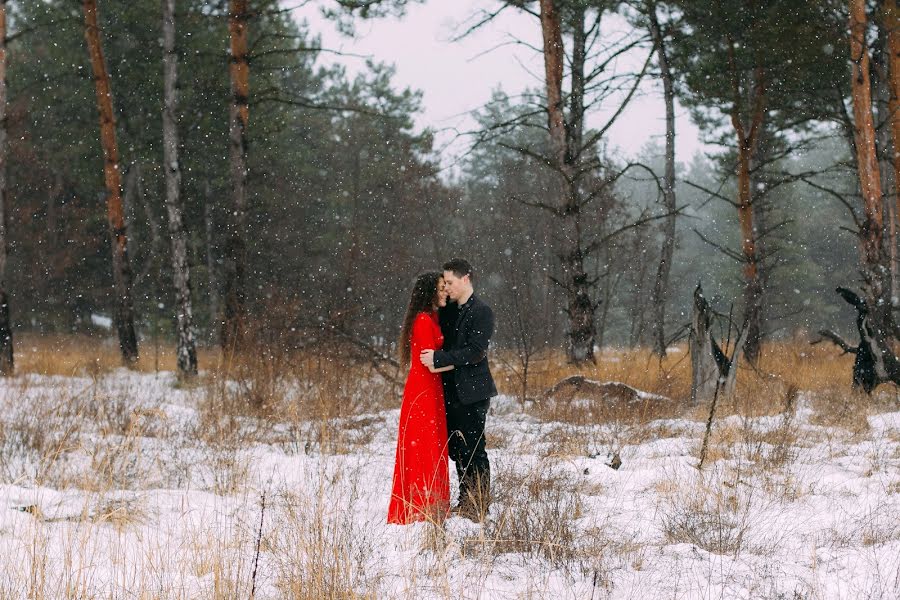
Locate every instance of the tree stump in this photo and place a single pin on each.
(875, 360)
(713, 372)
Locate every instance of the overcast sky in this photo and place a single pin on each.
(458, 77)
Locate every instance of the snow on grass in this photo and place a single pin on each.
(129, 485)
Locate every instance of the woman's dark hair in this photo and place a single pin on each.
(422, 300)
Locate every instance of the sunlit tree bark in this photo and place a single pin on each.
(122, 277)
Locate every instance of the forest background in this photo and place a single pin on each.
(346, 199)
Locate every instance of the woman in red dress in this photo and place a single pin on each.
(421, 486)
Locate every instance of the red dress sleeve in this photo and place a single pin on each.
(423, 337)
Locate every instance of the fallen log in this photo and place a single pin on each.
(579, 387)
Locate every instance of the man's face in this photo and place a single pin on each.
(442, 292)
(455, 286)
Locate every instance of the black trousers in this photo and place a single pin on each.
(466, 447)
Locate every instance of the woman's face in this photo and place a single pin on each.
(440, 295)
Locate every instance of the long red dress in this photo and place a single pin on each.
(421, 487)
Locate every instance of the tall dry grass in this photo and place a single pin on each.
(83, 355)
(94, 440)
(793, 363)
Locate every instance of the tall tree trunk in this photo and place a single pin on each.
(236, 247)
(752, 284)
(891, 21)
(124, 306)
(661, 285)
(551, 31)
(872, 254)
(747, 138)
(575, 131)
(184, 314)
(6, 341)
(565, 149)
(884, 151)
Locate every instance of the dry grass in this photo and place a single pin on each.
(96, 442)
(319, 553)
(794, 363)
(807, 367)
(84, 355)
(769, 443)
(722, 513)
(536, 511)
(848, 411)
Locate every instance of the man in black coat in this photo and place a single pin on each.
(468, 388)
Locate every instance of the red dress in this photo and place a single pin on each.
(421, 487)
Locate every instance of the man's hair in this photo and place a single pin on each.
(460, 268)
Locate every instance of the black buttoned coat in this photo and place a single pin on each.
(472, 374)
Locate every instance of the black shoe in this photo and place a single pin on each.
(467, 510)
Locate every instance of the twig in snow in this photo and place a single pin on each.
(262, 513)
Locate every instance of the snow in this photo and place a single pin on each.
(128, 494)
(101, 321)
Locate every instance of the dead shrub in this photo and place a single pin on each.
(875, 526)
(710, 515)
(837, 408)
(253, 381)
(39, 427)
(771, 446)
(326, 411)
(535, 517)
(319, 553)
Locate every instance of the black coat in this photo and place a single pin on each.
(472, 375)
(447, 316)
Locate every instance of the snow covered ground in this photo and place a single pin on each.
(129, 486)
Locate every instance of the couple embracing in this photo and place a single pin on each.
(444, 340)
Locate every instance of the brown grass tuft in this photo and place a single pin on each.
(760, 389)
(535, 516)
(92, 356)
(848, 410)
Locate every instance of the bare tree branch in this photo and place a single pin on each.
(840, 198)
(726, 251)
(837, 340)
(711, 193)
(597, 244)
(599, 134)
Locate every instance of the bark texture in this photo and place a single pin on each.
(891, 21)
(565, 144)
(872, 251)
(747, 131)
(233, 326)
(7, 366)
(661, 284)
(713, 372)
(184, 320)
(123, 312)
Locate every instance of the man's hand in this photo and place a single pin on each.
(427, 358)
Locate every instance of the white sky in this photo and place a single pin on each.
(458, 77)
